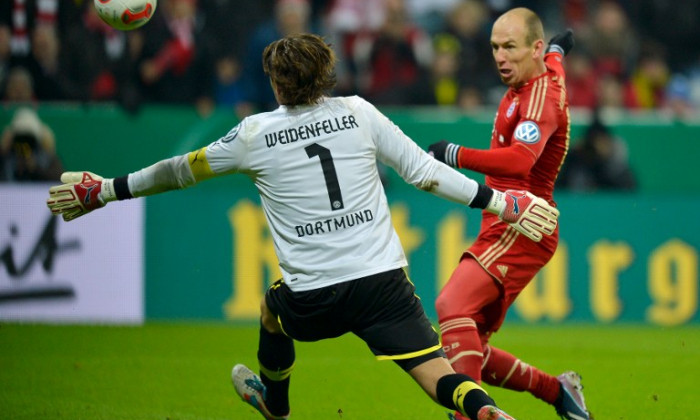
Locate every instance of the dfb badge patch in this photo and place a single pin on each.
(231, 135)
(528, 132)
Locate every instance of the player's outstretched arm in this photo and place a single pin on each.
(525, 212)
(530, 215)
(83, 192)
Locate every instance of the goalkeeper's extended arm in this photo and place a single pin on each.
(528, 214)
(83, 192)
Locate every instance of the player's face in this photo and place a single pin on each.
(515, 59)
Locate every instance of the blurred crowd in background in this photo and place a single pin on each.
(629, 54)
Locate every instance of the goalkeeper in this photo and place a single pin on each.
(529, 142)
(314, 161)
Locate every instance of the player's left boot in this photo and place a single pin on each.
(251, 389)
(570, 405)
(487, 412)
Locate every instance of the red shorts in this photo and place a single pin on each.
(512, 260)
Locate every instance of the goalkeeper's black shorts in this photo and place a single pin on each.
(381, 309)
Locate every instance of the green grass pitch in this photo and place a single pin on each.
(182, 371)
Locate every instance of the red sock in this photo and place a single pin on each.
(505, 370)
(460, 340)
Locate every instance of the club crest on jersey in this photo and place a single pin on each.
(511, 108)
(528, 132)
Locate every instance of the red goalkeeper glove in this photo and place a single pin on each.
(528, 214)
(81, 193)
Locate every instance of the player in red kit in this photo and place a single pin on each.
(529, 142)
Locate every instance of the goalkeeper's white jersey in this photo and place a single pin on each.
(315, 169)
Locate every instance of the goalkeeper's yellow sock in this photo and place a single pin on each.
(460, 392)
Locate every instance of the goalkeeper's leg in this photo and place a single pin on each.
(276, 358)
(268, 392)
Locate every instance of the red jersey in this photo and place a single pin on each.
(529, 141)
(530, 137)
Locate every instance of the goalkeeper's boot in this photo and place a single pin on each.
(570, 404)
(251, 389)
(487, 412)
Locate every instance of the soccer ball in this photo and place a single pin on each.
(126, 15)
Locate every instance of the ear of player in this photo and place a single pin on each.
(81, 193)
(530, 215)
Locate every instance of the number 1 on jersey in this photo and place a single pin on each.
(329, 174)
